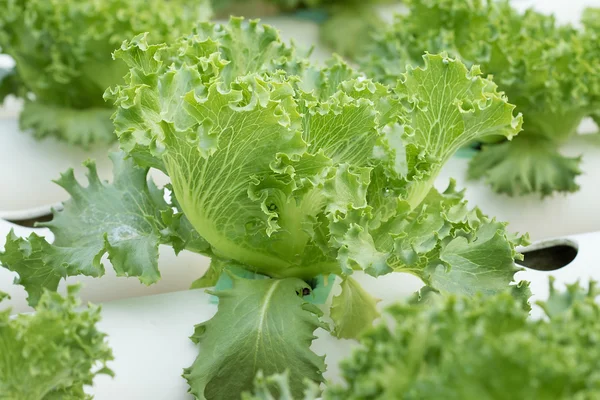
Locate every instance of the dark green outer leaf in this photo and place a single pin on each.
(126, 219)
(261, 325)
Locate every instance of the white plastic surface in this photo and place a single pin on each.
(150, 335)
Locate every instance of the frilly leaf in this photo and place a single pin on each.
(27, 258)
(470, 105)
(250, 47)
(53, 353)
(212, 275)
(452, 248)
(126, 219)
(482, 264)
(562, 302)
(298, 171)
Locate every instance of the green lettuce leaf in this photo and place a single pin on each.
(215, 270)
(126, 219)
(273, 328)
(54, 353)
(353, 310)
(590, 20)
(293, 171)
(260, 113)
(471, 107)
(27, 258)
(208, 279)
(454, 249)
(482, 263)
(200, 57)
(561, 303)
(444, 350)
(62, 50)
(271, 160)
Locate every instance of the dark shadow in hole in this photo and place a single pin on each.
(549, 258)
(30, 223)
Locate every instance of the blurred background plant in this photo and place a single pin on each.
(548, 70)
(62, 50)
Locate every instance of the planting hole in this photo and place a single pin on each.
(30, 223)
(549, 256)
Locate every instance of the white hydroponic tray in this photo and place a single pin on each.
(149, 335)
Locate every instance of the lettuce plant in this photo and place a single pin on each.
(285, 175)
(548, 71)
(470, 348)
(62, 50)
(54, 353)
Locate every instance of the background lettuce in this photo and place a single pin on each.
(62, 50)
(54, 353)
(548, 71)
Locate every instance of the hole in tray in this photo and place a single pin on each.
(550, 257)
(30, 223)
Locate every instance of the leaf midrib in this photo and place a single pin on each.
(261, 320)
